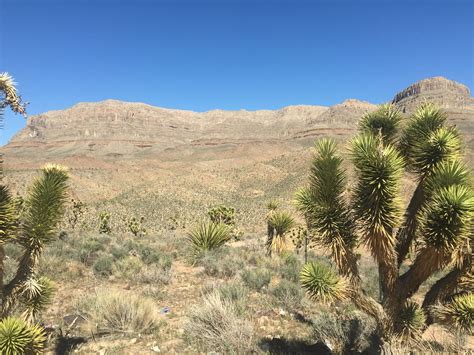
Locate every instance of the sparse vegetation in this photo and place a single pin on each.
(122, 287)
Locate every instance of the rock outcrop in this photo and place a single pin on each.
(114, 129)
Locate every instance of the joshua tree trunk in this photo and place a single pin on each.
(270, 236)
(406, 234)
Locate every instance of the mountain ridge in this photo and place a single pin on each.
(114, 129)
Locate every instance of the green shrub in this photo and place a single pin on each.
(135, 226)
(128, 268)
(153, 275)
(103, 265)
(89, 247)
(256, 279)
(119, 252)
(220, 263)
(288, 293)
(290, 267)
(236, 293)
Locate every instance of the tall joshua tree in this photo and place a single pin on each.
(433, 233)
(32, 229)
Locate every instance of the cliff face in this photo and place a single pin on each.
(447, 93)
(113, 129)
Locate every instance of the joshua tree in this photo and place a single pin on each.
(279, 224)
(226, 215)
(104, 222)
(433, 234)
(135, 226)
(78, 208)
(272, 206)
(31, 229)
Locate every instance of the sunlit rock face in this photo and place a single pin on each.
(114, 129)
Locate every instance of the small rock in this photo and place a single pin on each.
(155, 349)
(282, 312)
(133, 341)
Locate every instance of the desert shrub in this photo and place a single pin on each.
(51, 265)
(20, 337)
(290, 267)
(221, 263)
(128, 268)
(288, 293)
(346, 332)
(89, 247)
(119, 251)
(215, 325)
(153, 275)
(151, 255)
(119, 312)
(208, 236)
(236, 293)
(103, 265)
(256, 279)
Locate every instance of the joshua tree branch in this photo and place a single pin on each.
(445, 287)
(406, 234)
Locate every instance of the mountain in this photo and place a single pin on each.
(164, 162)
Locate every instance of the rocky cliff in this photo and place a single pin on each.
(113, 129)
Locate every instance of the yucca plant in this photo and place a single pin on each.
(280, 223)
(208, 236)
(458, 313)
(434, 232)
(19, 337)
(32, 229)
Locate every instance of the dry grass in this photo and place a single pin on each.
(119, 312)
(215, 325)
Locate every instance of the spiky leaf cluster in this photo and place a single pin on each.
(448, 218)
(35, 296)
(411, 321)
(282, 222)
(376, 204)
(323, 205)
(272, 205)
(426, 141)
(44, 208)
(19, 337)
(459, 313)
(7, 215)
(208, 236)
(9, 95)
(322, 283)
(448, 173)
(384, 122)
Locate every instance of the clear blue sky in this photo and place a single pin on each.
(201, 55)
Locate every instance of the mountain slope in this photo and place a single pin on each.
(162, 163)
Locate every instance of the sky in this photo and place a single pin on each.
(228, 54)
